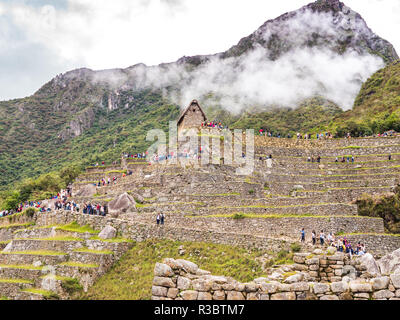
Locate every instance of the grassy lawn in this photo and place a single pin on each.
(131, 277)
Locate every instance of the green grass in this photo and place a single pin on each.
(87, 250)
(79, 264)
(25, 281)
(57, 238)
(114, 240)
(131, 277)
(20, 266)
(16, 225)
(273, 216)
(280, 207)
(37, 253)
(75, 227)
(46, 294)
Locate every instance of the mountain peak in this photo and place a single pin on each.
(326, 5)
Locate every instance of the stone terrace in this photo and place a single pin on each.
(42, 261)
(275, 201)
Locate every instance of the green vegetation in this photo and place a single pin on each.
(79, 264)
(131, 277)
(75, 227)
(44, 187)
(70, 285)
(376, 108)
(20, 266)
(6, 280)
(87, 250)
(37, 253)
(386, 207)
(48, 295)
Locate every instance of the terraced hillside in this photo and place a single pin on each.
(213, 203)
(41, 261)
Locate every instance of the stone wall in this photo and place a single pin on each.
(183, 280)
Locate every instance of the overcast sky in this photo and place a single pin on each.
(41, 38)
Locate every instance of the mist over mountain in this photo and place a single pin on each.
(323, 50)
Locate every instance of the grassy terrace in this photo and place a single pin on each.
(115, 240)
(46, 294)
(37, 253)
(87, 250)
(334, 181)
(131, 277)
(7, 280)
(139, 205)
(349, 188)
(17, 225)
(281, 207)
(372, 234)
(351, 169)
(20, 266)
(242, 215)
(333, 157)
(57, 238)
(78, 264)
(338, 175)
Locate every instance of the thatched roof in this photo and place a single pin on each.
(195, 103)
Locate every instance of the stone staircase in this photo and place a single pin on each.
(40, 263)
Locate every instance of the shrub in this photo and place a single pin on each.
(251, 191)
(295, 247)
(238, 216)
(30, 212)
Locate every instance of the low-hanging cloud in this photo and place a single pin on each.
(255, 80)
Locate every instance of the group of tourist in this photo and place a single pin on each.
(341, 244)
(96, 209)
(160, 219)
(136, 155)
(213, 124)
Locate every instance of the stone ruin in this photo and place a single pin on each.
(318, 276)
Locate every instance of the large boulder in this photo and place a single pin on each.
(108, 232)
(370, 265)
(124, 203)
(87, 190)
(390, 263)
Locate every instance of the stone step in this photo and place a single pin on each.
(321, 209)
(29, 257)
(87, 256)
(10, 288)
(28, 272)
(36, 294)
(46, 244)
(87, 274)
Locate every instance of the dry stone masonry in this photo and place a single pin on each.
(321, 276)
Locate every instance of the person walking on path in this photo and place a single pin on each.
(162, 218)
(303, 235)
(313, 237)
(322, 237)
(158, 219)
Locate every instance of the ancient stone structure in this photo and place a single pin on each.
(265, 209)
(349, 279)
(39, 262)
(191, 118)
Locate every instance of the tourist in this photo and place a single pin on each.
(162, 218)
(322, 237)
(329, 238)
(313, 237)
(158, 219)
(303, 235)
(336, 160)
(390, 157)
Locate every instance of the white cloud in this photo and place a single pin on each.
(109, 34)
